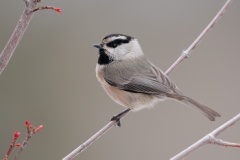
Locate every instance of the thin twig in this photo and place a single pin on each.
(221, 142)
(16, 135)
(30, 8)
(92, 139)
(87, 143)
(24, 144)
(31, 130)
(210, 139)
(47, 7)
(184, 55)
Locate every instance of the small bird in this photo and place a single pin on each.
(132, 81)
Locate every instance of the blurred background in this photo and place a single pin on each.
(50, 79)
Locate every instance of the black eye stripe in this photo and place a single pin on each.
(117, 42)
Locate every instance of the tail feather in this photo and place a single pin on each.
(208, 112)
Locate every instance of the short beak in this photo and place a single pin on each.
(98, 46)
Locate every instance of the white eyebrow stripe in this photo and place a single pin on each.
(118, 37)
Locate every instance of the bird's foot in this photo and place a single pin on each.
(118, 117)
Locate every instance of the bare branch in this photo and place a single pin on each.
(17, 34)
(210, 139)
(87, 143)
(184, 55)
(20, 29)
(92, 139)
(224, 143)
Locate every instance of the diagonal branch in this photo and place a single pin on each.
(17, 34)
(184, 55)
(210, 139)
(19, 30)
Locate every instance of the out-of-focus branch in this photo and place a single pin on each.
(184, 55)
(48, 7)
(20, 29)
(16, 135)
(17, 33)
(31, 130)
(210, 139)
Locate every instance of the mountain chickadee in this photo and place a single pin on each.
(133, 81)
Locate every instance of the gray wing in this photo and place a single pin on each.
(139, 76)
